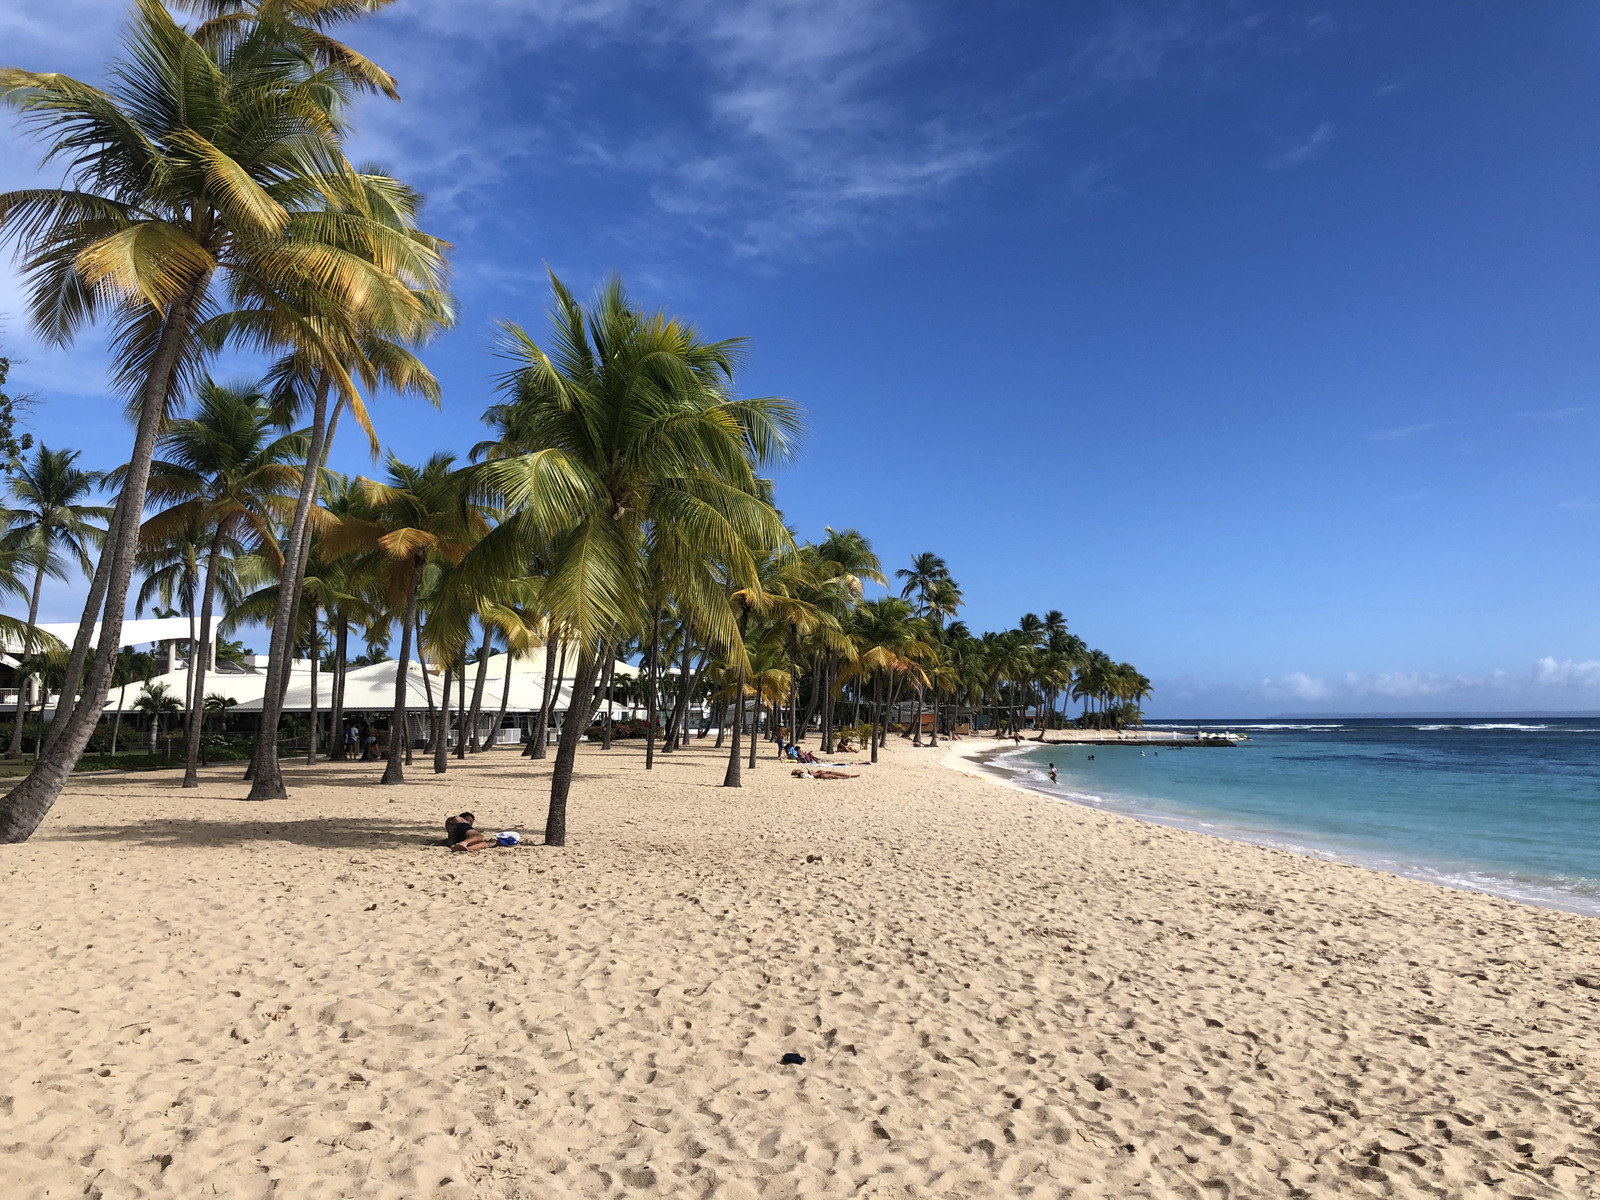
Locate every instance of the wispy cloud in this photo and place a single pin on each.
(1582, 502)
(1304, 149)
(1405, 431)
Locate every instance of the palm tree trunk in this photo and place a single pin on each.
(579, 713)
(755, 722)
(461, 708)
(336, 736)
(79, 654)
(189, 700)
(541, 730)
(680, 709)
(477, 686)
(505, 698)
(694, 686)
(311, 727)
(916, 739)
(441, 723)
(877, 710)
(427, 689)
(393, 772)
(607, 649)
(200, 663)
(544, 704)
(268, 781)
(15, 749)
(116, 722)
(25, 805)
(828, 671)
(731, 777)
(650, 700)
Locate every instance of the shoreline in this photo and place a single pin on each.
(1535, 893)
(994, 998)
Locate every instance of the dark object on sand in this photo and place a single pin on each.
(792, 1059)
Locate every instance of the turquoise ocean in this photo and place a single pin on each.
(1508, 806)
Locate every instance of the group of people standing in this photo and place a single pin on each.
(363, 736)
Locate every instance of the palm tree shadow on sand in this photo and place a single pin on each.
(325, 833)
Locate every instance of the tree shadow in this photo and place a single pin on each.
(323, 833)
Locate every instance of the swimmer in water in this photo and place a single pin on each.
(1052, 772)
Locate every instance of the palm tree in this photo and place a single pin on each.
(333, 348)
(54, 525)
(926, 571)
(158, 701)
(420, 512)
(208, 161)
(131, 666)
(223, 473)
(629, 423)
(844, 558)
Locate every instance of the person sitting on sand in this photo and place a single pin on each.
(844, 746)
(461, 834)
(800, 773)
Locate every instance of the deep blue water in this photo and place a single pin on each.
(1509, 806)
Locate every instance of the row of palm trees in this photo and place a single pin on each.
(621, 505)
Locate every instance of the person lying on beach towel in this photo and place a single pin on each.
(461, 835)
(798, 773)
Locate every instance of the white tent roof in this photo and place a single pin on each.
(371, 689)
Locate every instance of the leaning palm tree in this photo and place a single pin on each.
(627, 420)
(202, 166)
(54, 525)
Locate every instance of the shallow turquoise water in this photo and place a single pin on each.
(1504, 806)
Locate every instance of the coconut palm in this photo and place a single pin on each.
(927, 570)
(331, 349)
(205, 164)
(157, 700)
(629, 423)
(55, 527)
(223, 475)
(420, 512)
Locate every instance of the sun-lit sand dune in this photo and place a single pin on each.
(995, 995)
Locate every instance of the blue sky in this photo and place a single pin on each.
(1260, 338)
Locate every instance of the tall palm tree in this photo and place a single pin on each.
(420, 512)
(926, 571)
(629, 422)
(204, 164)
(223, 472)
(334, 348)
(55, 526)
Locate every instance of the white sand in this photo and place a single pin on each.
(996, 996)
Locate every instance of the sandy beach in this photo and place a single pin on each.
(995, 994)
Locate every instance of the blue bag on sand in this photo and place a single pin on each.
(508, 838)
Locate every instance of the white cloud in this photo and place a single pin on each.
(1567, 673)
(1304, 149)
(1296, 686)
(1549, 685)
